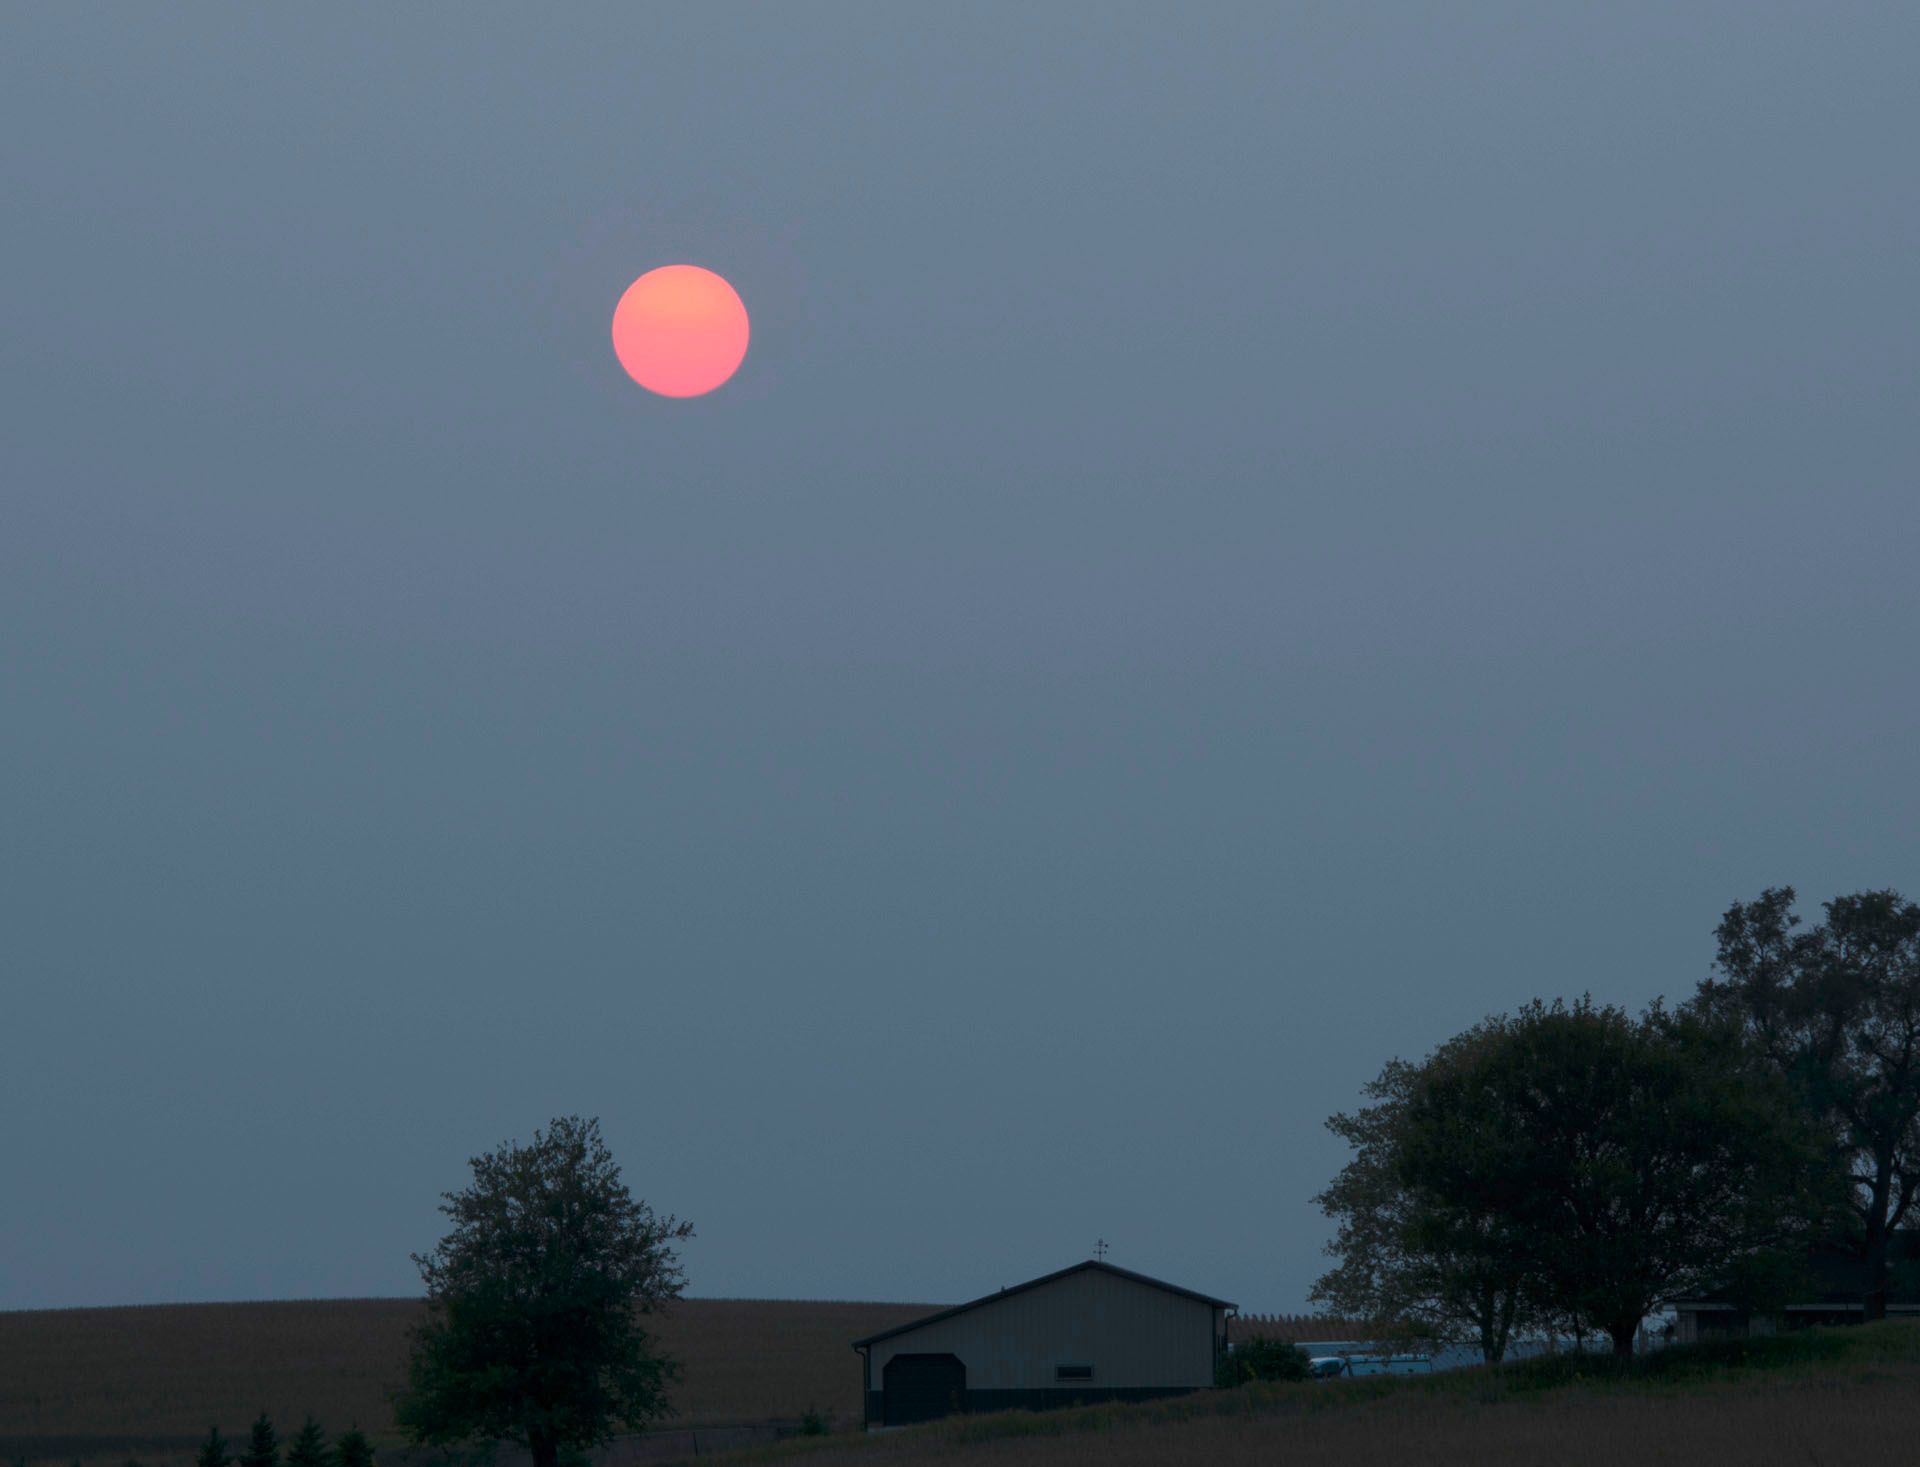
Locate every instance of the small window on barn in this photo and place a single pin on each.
(1073, 1372)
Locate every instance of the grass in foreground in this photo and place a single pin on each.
(1821, 1396)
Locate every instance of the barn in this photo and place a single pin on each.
(1088, 1333)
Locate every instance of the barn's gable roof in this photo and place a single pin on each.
(1044, 1279)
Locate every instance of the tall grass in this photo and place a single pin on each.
(1823, 1396)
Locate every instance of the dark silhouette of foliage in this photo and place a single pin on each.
(535, 1301)
(353, 1449)
(1708, 1360)
(213, 1451)
(1415, 1276)
(309, 1446)
(1261, 1359)
(263, 1447)
(1835, 1011)
(1625, 1161)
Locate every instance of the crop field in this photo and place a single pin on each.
(100, 1386)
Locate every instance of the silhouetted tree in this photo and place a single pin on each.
(213, 1451)
(535, 1301)
(353, 1449)
(1835, 1010)
(263, 1447)
(1402, 1265)
(1627, 1160)
(309, 1446)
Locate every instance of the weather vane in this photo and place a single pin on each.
(1100, 1248)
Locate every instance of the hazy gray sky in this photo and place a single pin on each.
(1248, 538)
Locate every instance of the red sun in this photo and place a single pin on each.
(680, 331)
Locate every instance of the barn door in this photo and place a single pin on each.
(923, 1387)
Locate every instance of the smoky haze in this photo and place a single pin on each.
(1248, 538)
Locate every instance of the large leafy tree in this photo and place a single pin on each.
(1404, 1262)
(536, 1299)
(1627, 1160)
(1835, 1010)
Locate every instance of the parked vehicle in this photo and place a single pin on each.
(1389, 1365)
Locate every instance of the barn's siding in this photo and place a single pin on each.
(1136, 1338)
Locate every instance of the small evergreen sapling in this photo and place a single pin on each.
(353, 1449)
(309, 1447)
(213, 1451)
(263, 1447)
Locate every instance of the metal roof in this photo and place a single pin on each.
(1091, 1263)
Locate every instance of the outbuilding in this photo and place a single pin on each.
(1834, 1287)
(1088, 1333)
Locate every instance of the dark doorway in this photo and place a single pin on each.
(923, 1388)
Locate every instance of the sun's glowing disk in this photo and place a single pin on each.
(680, 331)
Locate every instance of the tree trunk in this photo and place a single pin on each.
(1487, 1322)
(544, 1449)
(1503, 1328)
(1622, 1336)
(1874, 1299)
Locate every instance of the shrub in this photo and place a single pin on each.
(1679, 1362)
(353, 1449)
(1261, 1359)
(812, 1423)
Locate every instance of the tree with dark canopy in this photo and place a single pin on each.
(1628, 1160)
(1835, 1011)
(213, 1451)
(263, 1447)
(1457, 1275)
(535, 1301)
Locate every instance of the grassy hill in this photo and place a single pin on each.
(1826, 1396)
(103, 1385)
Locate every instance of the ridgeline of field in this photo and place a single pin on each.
(103, 1385)
(1842, 1396)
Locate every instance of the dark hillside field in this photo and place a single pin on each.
(1839, 1397)
(103, 1385)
